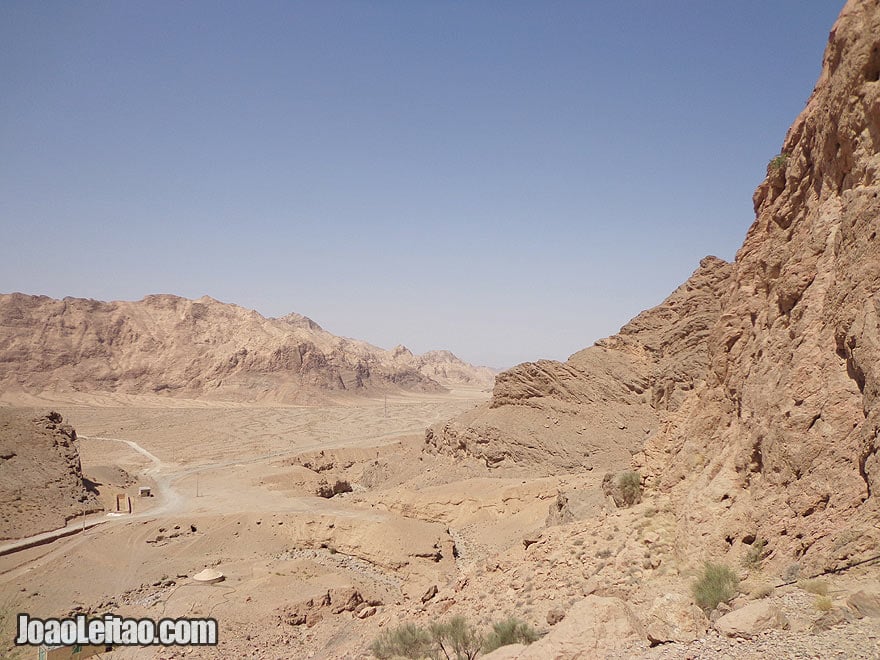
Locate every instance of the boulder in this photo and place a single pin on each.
(345, 599)
(865, 603)
(752, 619)
(675, 618)
(592, 628)
(554, 616)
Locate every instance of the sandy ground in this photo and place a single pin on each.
(229, 492)
(235, 488)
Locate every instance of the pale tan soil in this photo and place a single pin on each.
(228, 470)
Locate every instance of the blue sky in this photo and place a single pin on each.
(508, 180)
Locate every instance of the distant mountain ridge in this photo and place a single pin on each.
(165, 344)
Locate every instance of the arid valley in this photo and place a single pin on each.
(249, 506)
(703, 483)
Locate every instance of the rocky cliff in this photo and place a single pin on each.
(601, 404)
(174, 346)
(41, 482)
(755, 386)
(780, 443)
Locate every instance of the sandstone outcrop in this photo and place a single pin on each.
(865, 602)
(780, 442)
(594, 627)
(675, 618)
(751, 620)
(605, 399)
(168, 345)
(754, 387)
(334, 601)
(449, 370)
(41, 481)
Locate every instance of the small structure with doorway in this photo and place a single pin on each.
(75, 652)
(145, 491)
(123, 503)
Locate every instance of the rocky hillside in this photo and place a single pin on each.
(754, 387)
(170, 345)
(781, 441)
(41, 483)
(605, 399)
(446, 368)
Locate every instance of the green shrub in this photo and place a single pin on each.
(457, 639)
(406, 641)
(630, 484)
(454, 639)
(716, 584)
(779, 162)
(509, 631)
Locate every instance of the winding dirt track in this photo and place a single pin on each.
(192, 441)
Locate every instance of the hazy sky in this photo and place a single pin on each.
(508, 180)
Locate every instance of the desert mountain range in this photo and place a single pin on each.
(202, 348)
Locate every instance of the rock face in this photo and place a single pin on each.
(170, 345)
(605, 399)
(41, 483)
(865, 603)
(757, 382)
(449, 370)
(780, 442)
(674, 618)
(595, 627)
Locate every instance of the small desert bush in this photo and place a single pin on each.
(630, 484)
(823, 603)
(761, 591)
(716, 584)
(404, 641)
(818, 587)
(754, 554)
(457, 638)
(509, 631)
(778, 162)
(454, 639)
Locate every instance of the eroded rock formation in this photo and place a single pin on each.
(41, 481)
(174, 346)
(756, 384)
(605, 399)
(781, 441)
